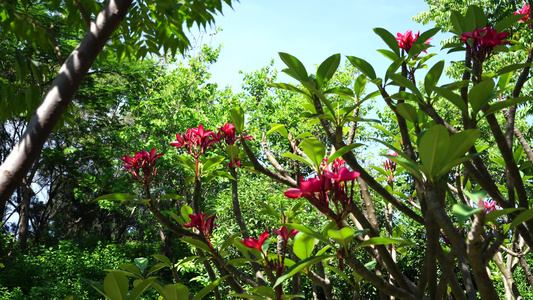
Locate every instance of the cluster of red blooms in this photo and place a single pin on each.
(277, 264)
(197, 140)
(524, 11)
(203, 224)
(481, 43)
(390, 165)
(490, 206)
(142, 161)
(329, 186)
(406, 40)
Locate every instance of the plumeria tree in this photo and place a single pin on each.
(476, 220)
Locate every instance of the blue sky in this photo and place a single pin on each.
(256, 30)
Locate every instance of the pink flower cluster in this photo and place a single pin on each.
(329, 186)
(406, 40)
(144, 161)
(481, 43)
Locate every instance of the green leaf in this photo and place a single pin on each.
(140, 288)
(458, 22)
(302, 264)
(388, 54)
(511, 68)
(327, 69)
(433, 143)
(454, 98)
(480, 95)
(237, 117)
(96, 285)
(232, 151)
(389, 39)
(303, 246)
(463, 212)
(116, 197)
(288, 87)
(341, 91)
(426, 35)
(363, 66)
(175, 291)
(279, 128)
(314, 149)
(141, 263)
(493, 216)
(185, 212)
(508, 22)
(305, 160)
(384, 241)
(522, 217)
(497, 106)
(265, 291)
(171, 197)
(303, 135)
(206, 290)
(433, 76)
(359, 85)
(163, 259)
(403, 95)
(297, 68)
(407, 164)
(343, 236)
(340, 273)
(307, 230)
(187, 163)
(343, 151)
(475, 17)
(116, 285)
(211, 163)
(218, 173)
(132, 269)
(408, 112)
(196, 243)
(403, 81)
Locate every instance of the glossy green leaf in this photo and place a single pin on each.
(314, 149)
(480, 95)
(141, 288)
(343, 150)
(265, 291)
(327, 69)
(187, 163)
(232, 151)
(363, 66)
(454, 98)
(508, 22)
(196, 243)
(359, 85)
(403, 95)
(279, 128)
(303, 135)
(218, 173)
(493, 216)
(163, 258)
(237, 117)
(141, 263)
(407, 164)
(343, 236)
(116, 285)
(388, 54)
(408, 112)
(389, 39)
(433, 143)
(305, 160)
(302, 264)
(475, 17)
(307, 230)
(288, 87)
(175, 291)
(96, 285)
(115, 197)
(522, 217)
(463, 212)
(211, 163)
(497, 106)
(458, 22)
(513, 67)
(340, 274)
(433, 76)
(297, 68)
(384, 241)
(185, 212)
(341, 91)
(207, 289)
(303, 246)
(403, 81)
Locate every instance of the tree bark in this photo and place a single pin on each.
(58, 97)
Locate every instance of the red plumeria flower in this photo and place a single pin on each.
(307, 188)
(285, 234)
(524, 11)
(490, 206)
(204, 226)
(196, 140)
(481, 43)
(390, 165)
(342, 175)
(144, 161)
(406, 40)
(256, 244)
